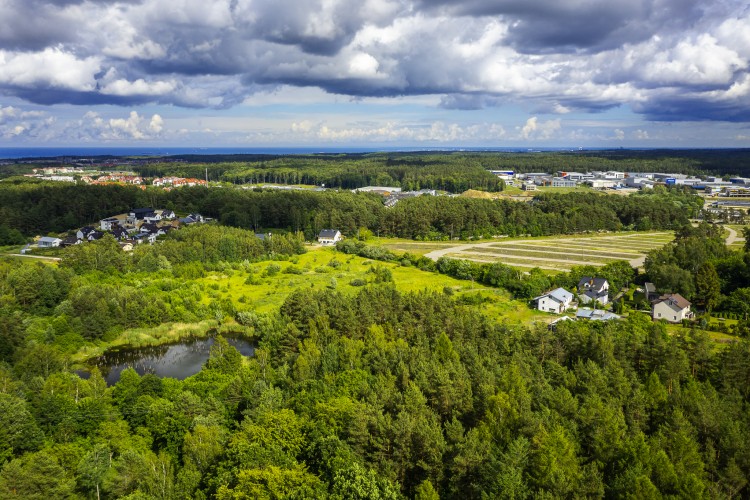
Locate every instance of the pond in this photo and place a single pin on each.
(178, 361)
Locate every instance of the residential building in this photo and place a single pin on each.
(108, 223)
(595, 314)
(672, 307)
(47, 242)
(84, 232)
(591, 288)
(139, 214)
(557, 301)
(329, 237)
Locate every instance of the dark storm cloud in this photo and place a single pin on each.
(675, 109)
(307, 25)
(554, 26)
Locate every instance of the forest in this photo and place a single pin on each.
(450, 171)
(369, 394)
(42, 207)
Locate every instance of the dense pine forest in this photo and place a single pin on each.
(378, 394)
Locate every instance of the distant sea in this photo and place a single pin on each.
(16, 153)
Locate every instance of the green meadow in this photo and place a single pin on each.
(265, 286)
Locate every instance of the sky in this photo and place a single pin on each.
(375, 73)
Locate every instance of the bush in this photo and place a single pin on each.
(272, 270)
(358, 282)
(292, 270)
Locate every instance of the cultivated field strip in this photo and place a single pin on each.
(550, 266)
(544, 254)
(560, 254)
(570, 249)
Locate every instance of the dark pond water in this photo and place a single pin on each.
(175, 360)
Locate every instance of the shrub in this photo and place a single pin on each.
(272, 270)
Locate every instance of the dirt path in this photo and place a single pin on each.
(732, 238)
(42, 257)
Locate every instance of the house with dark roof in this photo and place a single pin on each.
(591, 288)
(671, 307)
(149, 227)
(120, 233)
(108, 223)
(192, 219)
(140, 214)
(329, 237)
(95, 235)
(70, 241)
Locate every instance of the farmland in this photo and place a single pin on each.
(558, 253)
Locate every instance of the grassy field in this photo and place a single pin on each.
(324, 268)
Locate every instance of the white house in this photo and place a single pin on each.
(672, 307)
(47, 242)
(557, 301)
(329, 237)
(107, 224)
(593, 289)
(155, 217)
